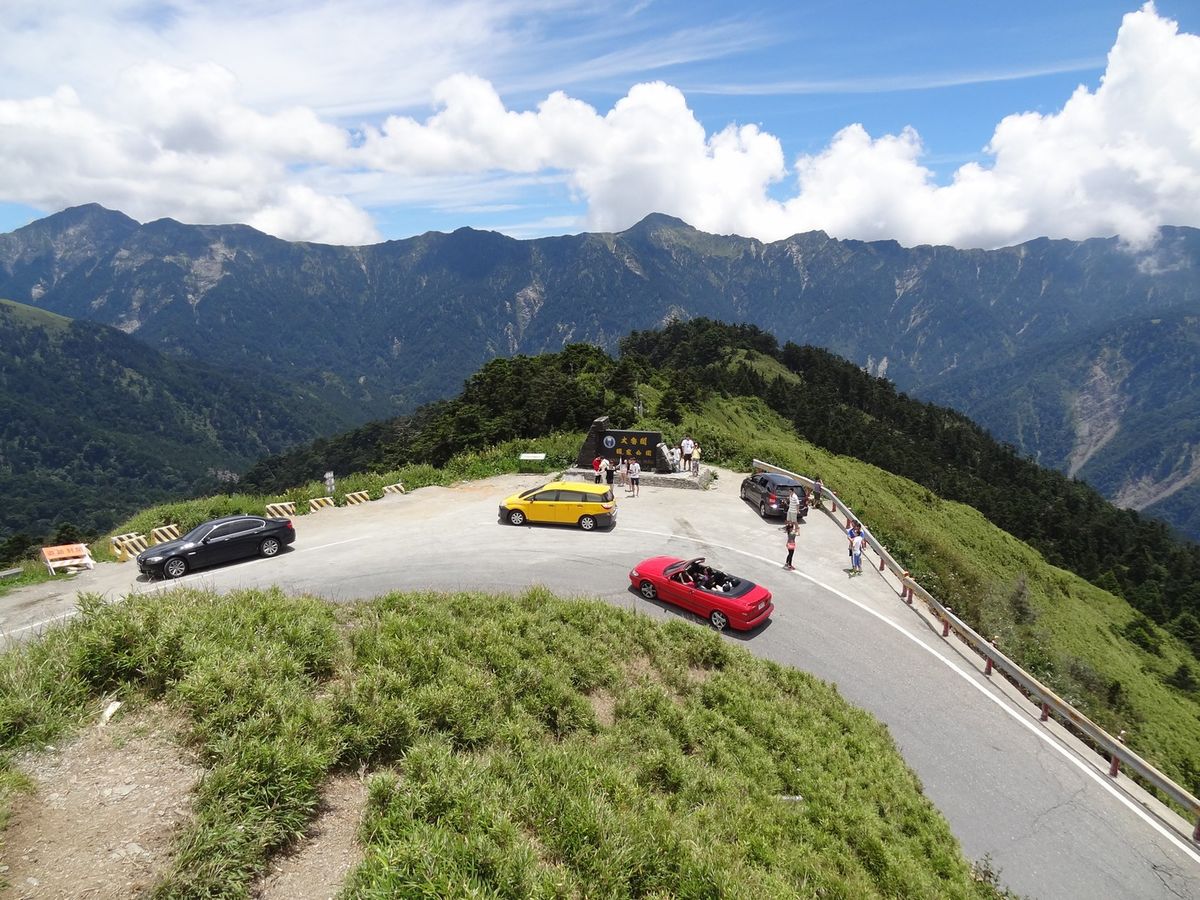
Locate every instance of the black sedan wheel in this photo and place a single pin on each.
(587, 523)
(175, 568)
(762, 508)
(516, 517)
(719, 619)
(648, 590)
(269, 547)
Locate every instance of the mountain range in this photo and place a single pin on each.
(1080, 354)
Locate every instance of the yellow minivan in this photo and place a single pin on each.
(563, 503)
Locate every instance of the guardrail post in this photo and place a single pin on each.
(881, 561)
(1196, 833)
(1115, 768)
(1045, 712)
(987, 670)
(946, 624)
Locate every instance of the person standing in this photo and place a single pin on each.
(607, 468)
(791, 545)
(856, 549)
(635, 476)
(686, 446)
(793, 508)
(596, 468)
(818, 492)
(696, 459)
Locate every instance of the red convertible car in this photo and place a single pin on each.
(725, 600)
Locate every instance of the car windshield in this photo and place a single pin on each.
(198, 532)
(529, 493)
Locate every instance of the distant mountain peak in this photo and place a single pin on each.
(87, 213)
(658, 221)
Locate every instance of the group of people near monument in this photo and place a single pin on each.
(685, 456)
(626, 471)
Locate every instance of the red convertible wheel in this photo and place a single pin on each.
(719, 619)
(648, 590)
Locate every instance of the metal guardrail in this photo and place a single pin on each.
(1050, 702)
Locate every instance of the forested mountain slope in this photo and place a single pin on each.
(94, 424)
(385, 327)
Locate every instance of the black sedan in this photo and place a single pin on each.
(218, 541)
(769, 493)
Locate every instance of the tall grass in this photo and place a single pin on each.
(527, 747)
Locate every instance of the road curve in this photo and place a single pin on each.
(1022, 792)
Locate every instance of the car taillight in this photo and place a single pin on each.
(606, 506)
(771, 498)
(288, 524)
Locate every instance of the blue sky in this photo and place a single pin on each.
(314, 123)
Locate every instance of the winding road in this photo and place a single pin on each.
(1022, 792)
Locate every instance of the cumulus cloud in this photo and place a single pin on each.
(1122, 159)
(177, 142)
(193, 142)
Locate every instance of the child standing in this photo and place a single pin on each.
(791, 545)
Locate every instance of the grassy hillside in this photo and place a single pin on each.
(1081, 636)
(1089, 645)
(522, 747)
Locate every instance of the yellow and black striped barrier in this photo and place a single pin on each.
(127, 546)
(165, 533)
(356, 497)
(281, 510)
(117, 543)
(396, 488)
(320, 503)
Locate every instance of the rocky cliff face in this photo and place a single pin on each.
(388, 326)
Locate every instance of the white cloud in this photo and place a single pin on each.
(208, 142)
(1124, 158)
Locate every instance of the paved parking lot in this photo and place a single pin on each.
(1011, 787)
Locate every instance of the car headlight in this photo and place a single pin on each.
(153, 559)
(633, 573)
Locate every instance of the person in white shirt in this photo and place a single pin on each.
(686, 446)
(635, 476)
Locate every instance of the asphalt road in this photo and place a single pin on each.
(1025, 793)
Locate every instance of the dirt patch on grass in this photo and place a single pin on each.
(604, 705)
(104, 810)
(318, 866)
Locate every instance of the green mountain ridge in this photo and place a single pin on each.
(94, 424)
(384, 328)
